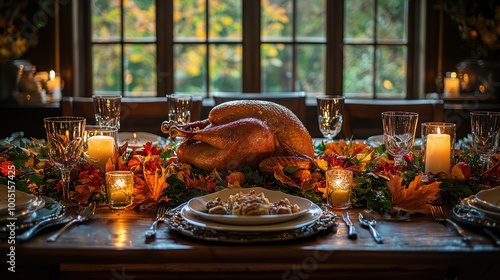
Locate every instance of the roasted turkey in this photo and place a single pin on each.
(244, 133)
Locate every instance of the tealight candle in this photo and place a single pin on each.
(338, 184)
(100, 149)
(120, 188)
(438, 140)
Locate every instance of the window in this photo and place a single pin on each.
(147, 48)
(123, 36)
(375, 48)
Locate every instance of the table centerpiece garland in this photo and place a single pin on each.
(161, 178)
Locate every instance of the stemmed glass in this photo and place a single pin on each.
(485, 128)
(330, 108)
(107, 110)
(65, 137)
(399, 133)
(179, 108)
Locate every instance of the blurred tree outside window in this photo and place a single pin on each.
(206, 48)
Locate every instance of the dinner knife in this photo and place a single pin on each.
(351, 230)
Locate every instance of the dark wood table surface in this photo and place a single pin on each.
(112, 246)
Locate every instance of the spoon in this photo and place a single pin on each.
(367, 219)
(83, 215)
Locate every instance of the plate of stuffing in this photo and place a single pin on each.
(250, 206)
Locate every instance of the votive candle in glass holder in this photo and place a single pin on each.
(338, 186)
(438, 142)
(120, 188)
(100, 144)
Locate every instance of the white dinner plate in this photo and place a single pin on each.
(472, 202)
(490, 199)
(310, 216)
(140, 139)
(198, 206)
(19, 199)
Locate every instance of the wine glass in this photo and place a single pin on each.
(179, 109)
(330, 109)
(107, 110)
(485, 128)
(65, 137)
(399, 133)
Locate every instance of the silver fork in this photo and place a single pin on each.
(438, 215)
(161, 215)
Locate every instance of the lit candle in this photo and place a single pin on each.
(451, 84)
(54, 85)
(120, 188)
(437, 153)
(100, 150)
(339, 184)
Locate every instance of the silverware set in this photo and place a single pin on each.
(366, 219)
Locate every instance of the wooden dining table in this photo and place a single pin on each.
(112, 245)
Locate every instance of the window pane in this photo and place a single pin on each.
(140, 70)
(225, 19)
(105, 20)
(276, 67)
(313, 13)
(140, 19)
(391, 77)
(106, 68)
(391, 19)
(358, 20)
(358, 71)
(225, 68)
(190, 68)
(311, 68)
(189, 20)
(276, 20)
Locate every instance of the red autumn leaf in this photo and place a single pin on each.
(414, 198)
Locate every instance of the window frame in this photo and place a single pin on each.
(251, 62)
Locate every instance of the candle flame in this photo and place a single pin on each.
(52, 74)
(453, 74)
(438, 130)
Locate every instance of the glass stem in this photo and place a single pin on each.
(398, 162)
(66, 178)
(485, 162)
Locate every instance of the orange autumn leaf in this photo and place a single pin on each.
(349, 148)
(414, 198)
(280, 175)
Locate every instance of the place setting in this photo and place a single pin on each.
(22, 212)
(263, 216)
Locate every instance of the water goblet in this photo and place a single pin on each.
(399, 133)
(107, 110)
(65, 138)
(179, 108)
(485, 128)
(330, 108)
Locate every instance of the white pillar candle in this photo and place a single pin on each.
(100, 149)
(437, 153)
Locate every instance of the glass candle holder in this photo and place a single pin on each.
(120, 188)
(338, 186)
(438, 141)
(100, 144)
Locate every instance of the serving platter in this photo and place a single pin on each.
(176, 222)
(198, 207)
